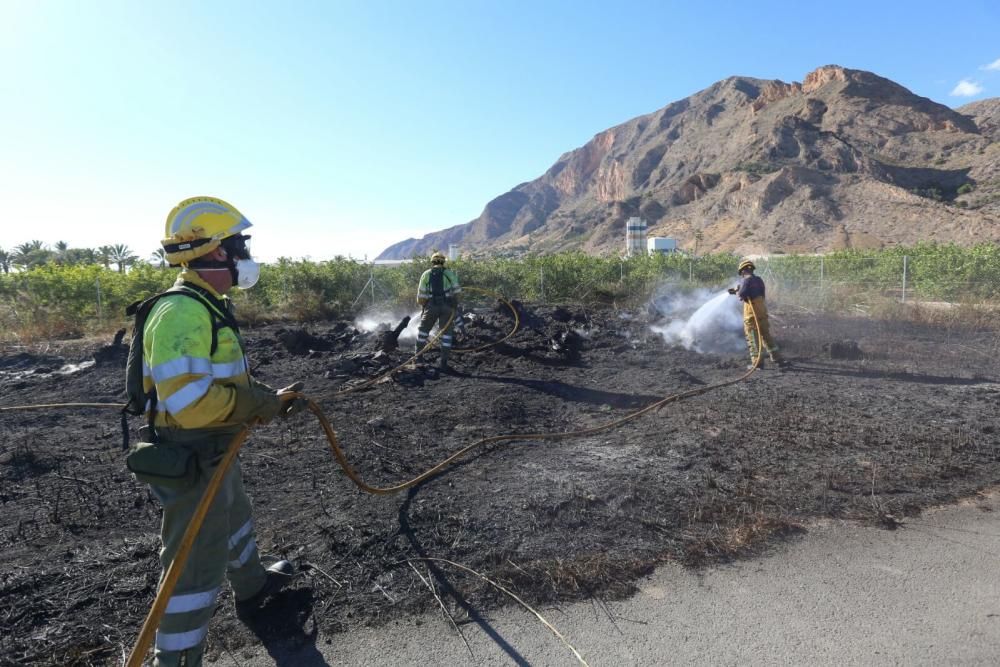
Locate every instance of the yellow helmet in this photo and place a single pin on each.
(197, 226)
(438, 257)
(746, 264)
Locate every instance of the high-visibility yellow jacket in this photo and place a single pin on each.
(195, 389)
(449, 286)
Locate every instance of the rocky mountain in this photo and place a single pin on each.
(844, 159)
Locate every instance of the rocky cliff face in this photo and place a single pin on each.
(845, 159)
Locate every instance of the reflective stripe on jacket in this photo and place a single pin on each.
(193, 386)
(451, 286)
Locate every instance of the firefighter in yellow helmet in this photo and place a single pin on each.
(437, 294)
(200, 393)
(751, 292)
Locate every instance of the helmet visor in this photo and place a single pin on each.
(238, 246)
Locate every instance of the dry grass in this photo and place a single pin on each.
(39, 326)
(307, 306)
(744, 532)
(850, 300)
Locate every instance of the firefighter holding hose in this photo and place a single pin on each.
(197, 391)
(437, 294)
(751, 292)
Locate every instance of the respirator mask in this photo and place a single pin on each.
(244, 270)
(247, 273)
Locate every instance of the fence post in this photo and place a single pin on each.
(905, 263)
(371, 280)
(100, 308)
(690, 270)
(541, 283)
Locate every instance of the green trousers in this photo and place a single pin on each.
(439, 314)
(225, 548)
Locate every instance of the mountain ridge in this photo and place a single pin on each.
(844, 159)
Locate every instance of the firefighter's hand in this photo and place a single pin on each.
(292, 405)
(255, 403)
(731, 290)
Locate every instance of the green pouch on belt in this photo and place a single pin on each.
(167, 465)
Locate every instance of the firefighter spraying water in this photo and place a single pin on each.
(755, 321)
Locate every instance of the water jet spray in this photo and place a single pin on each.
(704, 321)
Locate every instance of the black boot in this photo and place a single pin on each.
(277, 577)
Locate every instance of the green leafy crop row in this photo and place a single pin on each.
(54, 300)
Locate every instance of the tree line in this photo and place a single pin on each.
(34, 254)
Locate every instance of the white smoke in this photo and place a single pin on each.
(702, 320)
(386, 320)
(410, 332)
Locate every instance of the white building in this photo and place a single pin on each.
(660, 244)
(635, 237)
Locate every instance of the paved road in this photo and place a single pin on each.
(926, 594)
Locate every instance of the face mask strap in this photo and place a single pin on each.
(236, 251)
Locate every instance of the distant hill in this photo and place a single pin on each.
(845, 159)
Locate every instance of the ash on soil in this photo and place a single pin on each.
(907, 419)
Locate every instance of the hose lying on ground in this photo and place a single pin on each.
(152, 621)
(147, 633)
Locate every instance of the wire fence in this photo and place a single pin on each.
(59, 301)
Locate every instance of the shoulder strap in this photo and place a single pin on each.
(220, 317)
(213, 302)
(217, 309)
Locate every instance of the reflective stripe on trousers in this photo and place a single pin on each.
(225, 548)
(436, 315)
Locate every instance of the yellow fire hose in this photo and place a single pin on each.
(149, 626)
(147, 633)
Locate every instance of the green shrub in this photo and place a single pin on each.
(57, 301)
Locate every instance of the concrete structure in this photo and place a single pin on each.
(453, 252)
(635, 237)
(660, 244)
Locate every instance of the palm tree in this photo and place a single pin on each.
(122, 255)
(160, 257)
(31, 254)
(5, 258)
(25, 249)
(103, 255)
(61, 248)
(80, 256)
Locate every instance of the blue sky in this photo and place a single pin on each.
(342, 127)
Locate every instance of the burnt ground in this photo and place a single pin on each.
(875, 421)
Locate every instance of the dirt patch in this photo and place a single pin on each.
(845, 349)
(910, 423)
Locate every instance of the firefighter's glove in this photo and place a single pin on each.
(291, 406)
(257, 383)
(731, 290)
(255, 402)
